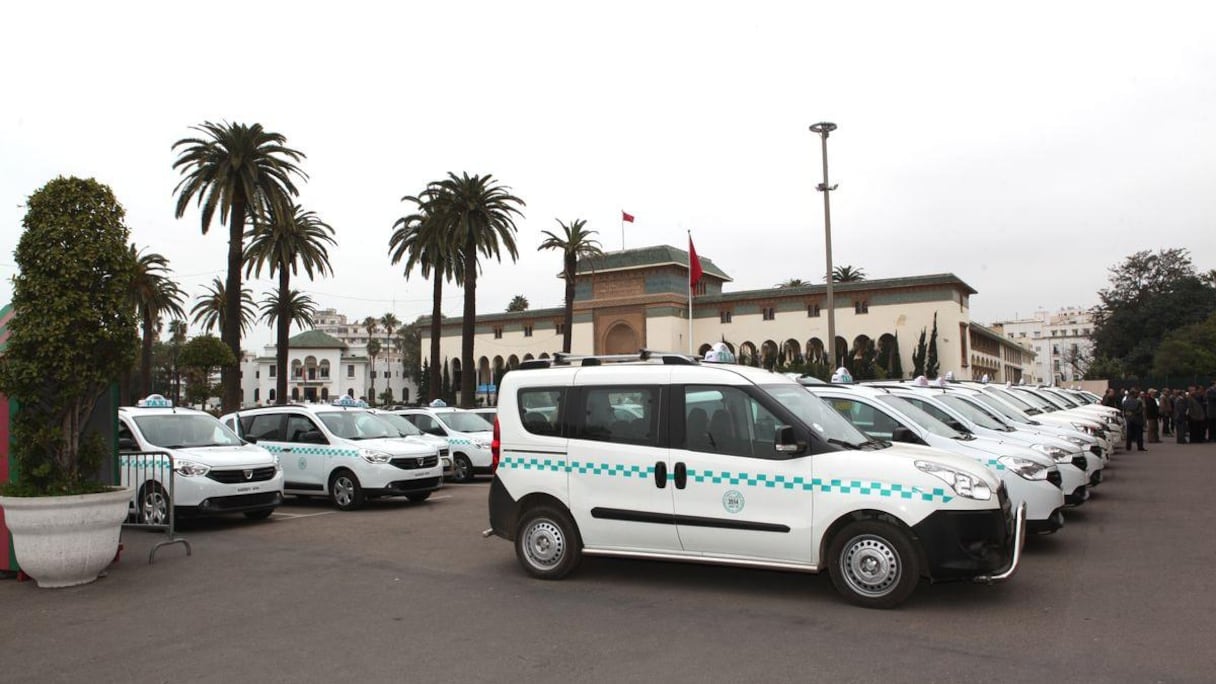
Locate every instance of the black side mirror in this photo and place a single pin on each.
(903, 434)
(785, 440)
(127, 444)
(313, 437)
(250, 440)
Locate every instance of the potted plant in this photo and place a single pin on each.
(70, 339)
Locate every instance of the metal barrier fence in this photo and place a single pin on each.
(150, 473)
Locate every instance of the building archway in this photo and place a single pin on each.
(621, 339)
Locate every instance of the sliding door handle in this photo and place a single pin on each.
(660, 474)
(681, 475)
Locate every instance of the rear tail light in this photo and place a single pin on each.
(495, 447)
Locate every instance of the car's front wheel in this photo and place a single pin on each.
(547, 543)
(345, 490)
(873, 564)
(154, 505)
(462, 468)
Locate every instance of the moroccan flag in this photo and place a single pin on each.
(694, 265)
(626, 217)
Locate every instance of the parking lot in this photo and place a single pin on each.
(401, 591)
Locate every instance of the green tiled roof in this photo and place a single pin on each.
(843, 288)
(315, 339)
(645, 257)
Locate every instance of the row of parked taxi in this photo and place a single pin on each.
(185, 462)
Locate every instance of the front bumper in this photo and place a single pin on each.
(401, 487)
(972, 545)
(239, 503)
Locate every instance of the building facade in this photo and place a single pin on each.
(1062, 342)
(639, 298)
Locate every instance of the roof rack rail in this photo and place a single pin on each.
(641, 356)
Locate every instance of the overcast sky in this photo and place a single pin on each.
(1025, 147)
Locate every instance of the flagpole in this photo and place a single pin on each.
(690, 295)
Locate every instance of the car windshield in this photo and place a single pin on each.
(918, 416)
(403, 426)
(464, 421)
(1014, 400)
(185, 430)
(813, 411)
(1068, 401)
(1033, 397)
(972, 413)
(1002, 408)
(357, 425)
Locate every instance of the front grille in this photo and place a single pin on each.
(421, 484)
(1080, 462)
(239, 475)
(220, 503)
(1054, 478)
(1096, 450)
(415, 462)
(443, 452)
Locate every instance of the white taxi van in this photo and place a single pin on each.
(342, 451)
(467, 433)
(213, 471)
(659, 456)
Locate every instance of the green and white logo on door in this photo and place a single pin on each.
(732, 501)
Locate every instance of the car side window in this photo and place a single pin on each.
(727, 420)
(937, 413)
(428, 424)
(864, 417)
(540, 410)
(626, 415)
(263, 426)
(301, 429)
(126, 438)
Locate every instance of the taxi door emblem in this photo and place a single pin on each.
(732, 501)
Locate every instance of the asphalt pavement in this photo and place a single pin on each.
(412, 592)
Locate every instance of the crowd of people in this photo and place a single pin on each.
(1188, 414)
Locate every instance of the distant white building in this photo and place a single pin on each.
(1062, 342)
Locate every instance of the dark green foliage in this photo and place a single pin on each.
(72, 334)
(847, 274)
(518, 303)
(575, 243)
(424, 382)
(931, 363)
(865, 366)
(1150, 296)
(1188, 351)
(816, 369)
(445, 390)
(918, 356)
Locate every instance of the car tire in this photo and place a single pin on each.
(261, 514)
(873, 564)
(345, 490)
(419, 497)
(462, 468)
(547, 543)
(154, 505)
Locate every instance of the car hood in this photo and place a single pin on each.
(925, 453)
(244, 456)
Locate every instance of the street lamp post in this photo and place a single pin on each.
(825, 128)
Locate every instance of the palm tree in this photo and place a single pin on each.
(177, 338)
(389, 322)
(211, 308)
(575, 243)
(518, 303)
(242, 171)
(153, 295)
(284, 243)
(847, 274)
(792, 282)
(299, 308)
(372, 324)
(421, 242)
(373, 350)
(478, 213)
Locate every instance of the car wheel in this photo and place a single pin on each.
(259, 514)
(154, 505)
(873, 564)
(345, 491)
(462, 468)
(547, 543)
(419, 497)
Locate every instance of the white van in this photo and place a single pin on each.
(670, 459)
(213, 471)
(468, 436)
(341, 451)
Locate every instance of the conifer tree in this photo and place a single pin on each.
(918, 356)
(931, 363)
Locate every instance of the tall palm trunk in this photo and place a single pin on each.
(282, 328)
(145, 356)
(433, 386)
(468, 375)
(568, 332)
(230, 376)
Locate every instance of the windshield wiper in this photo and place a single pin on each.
(874, 444)
(841, 442)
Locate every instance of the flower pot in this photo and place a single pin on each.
(62, 541)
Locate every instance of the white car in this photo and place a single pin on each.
(1030, 478)
(468, 436)
(410, 433)
(213, 471)
(1032, 407)
(666, 458)
(341, 451)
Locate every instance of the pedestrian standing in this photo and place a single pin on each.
(1181, 408)
(1210, 396)
(1152, 416)
(1110, 399)
(1196, 416)
(1133, 412)
(1166, 405)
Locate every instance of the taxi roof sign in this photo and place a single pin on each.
(154, 401)
(347, 400)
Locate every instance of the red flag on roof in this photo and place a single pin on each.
(694, 265)
(626, 217)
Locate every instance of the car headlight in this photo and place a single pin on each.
(1056, 453)
(1024, 467)
(1083, 428)
(375, 456)
(190, 468)
(277, 465)
(965, 485)
(1079, 441)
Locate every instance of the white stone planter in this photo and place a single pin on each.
(62, 541)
